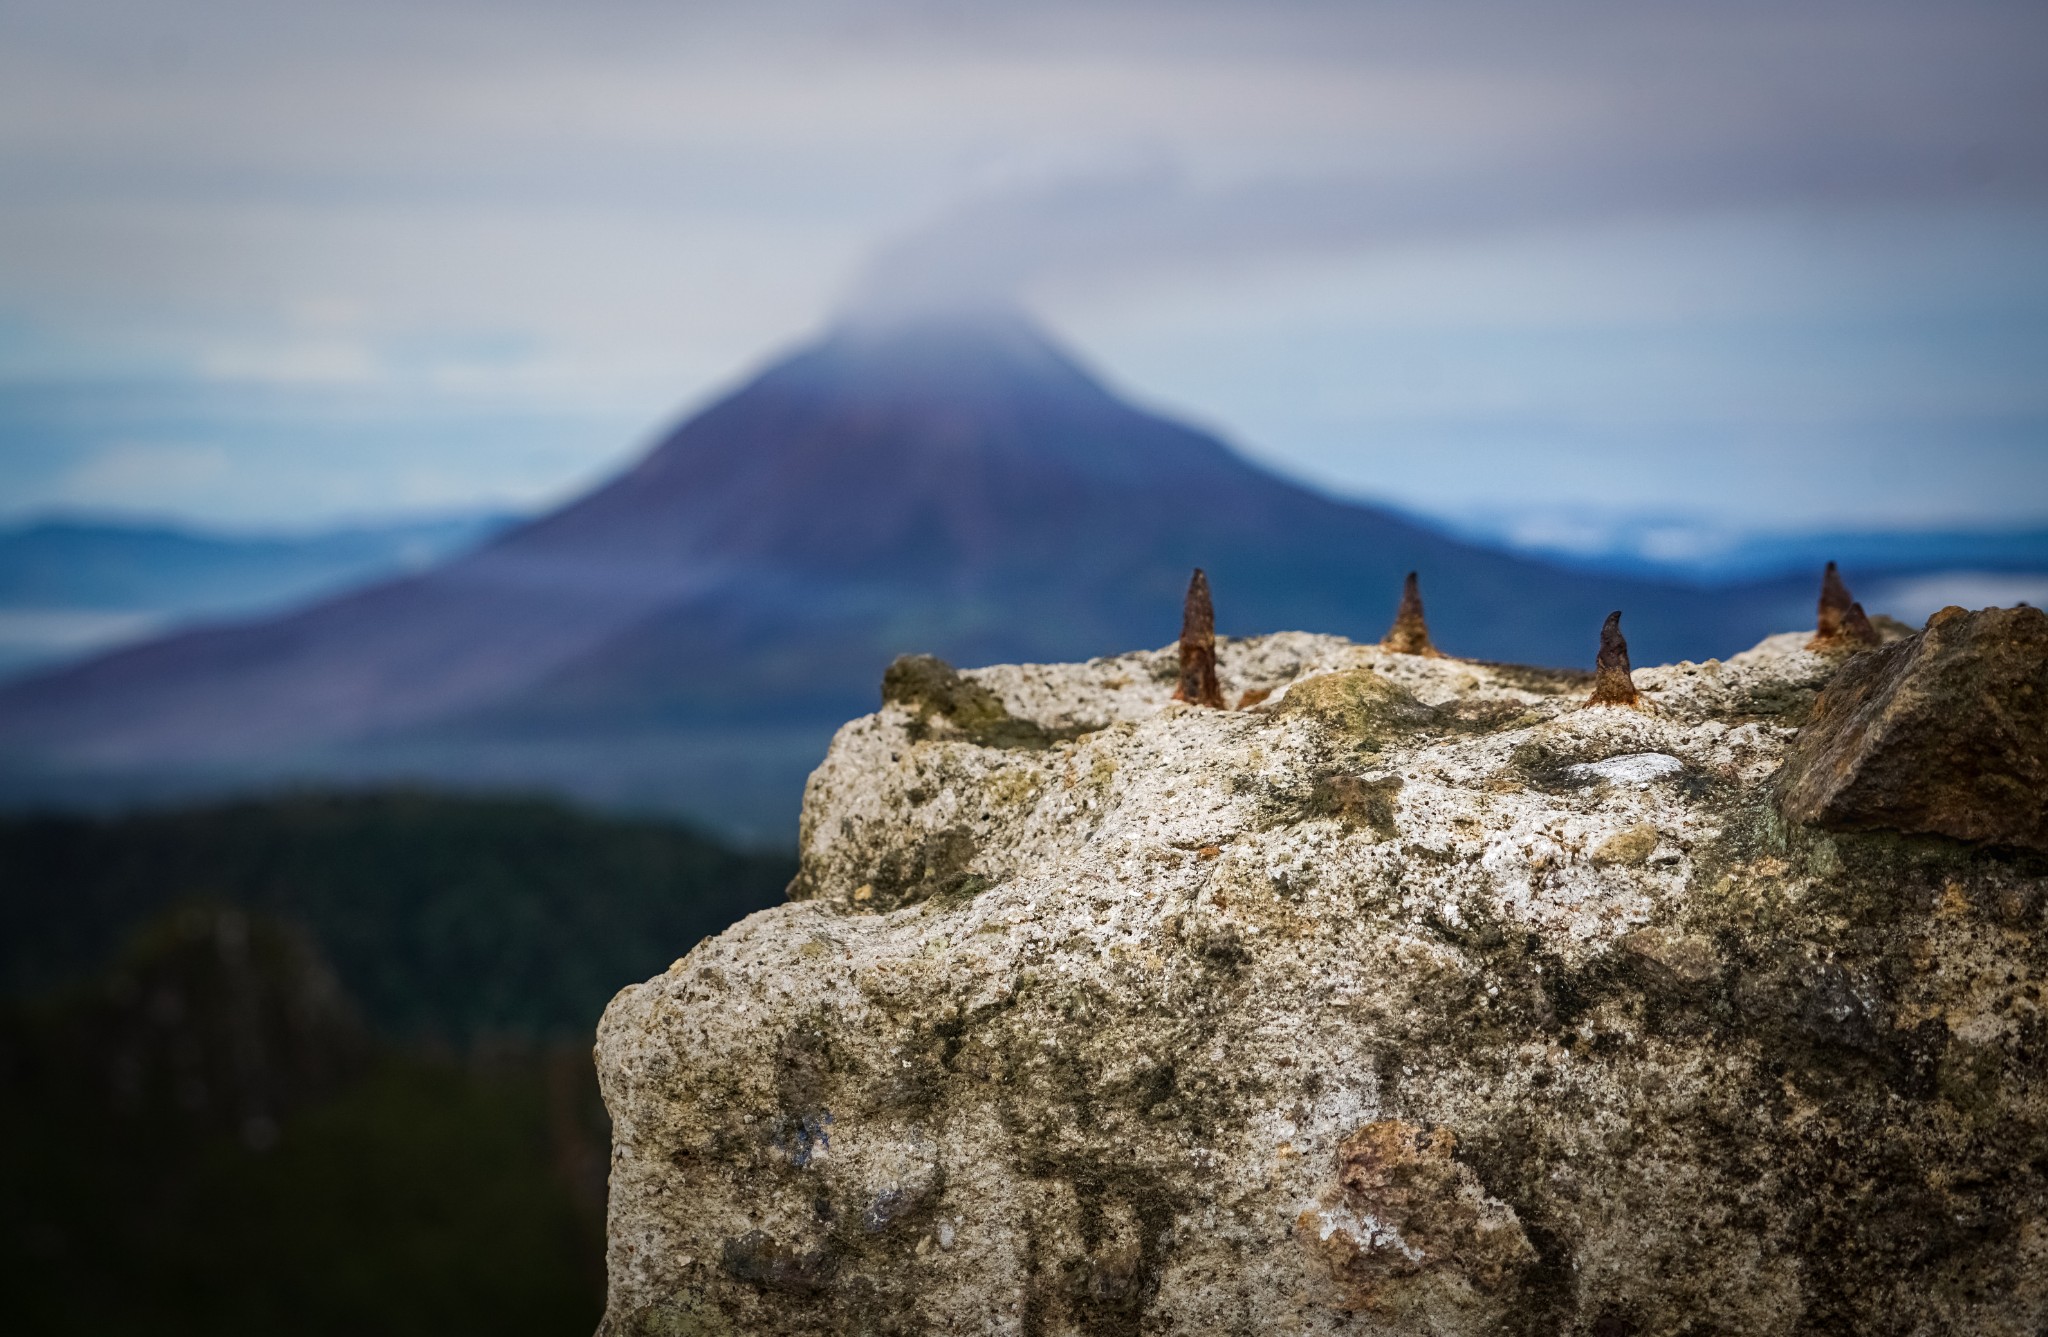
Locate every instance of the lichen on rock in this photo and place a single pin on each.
(1418, 997)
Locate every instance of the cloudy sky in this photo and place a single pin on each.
(269, 263)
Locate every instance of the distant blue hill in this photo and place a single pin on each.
(1702, 552)
(73, 584)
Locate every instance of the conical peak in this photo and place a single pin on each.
(913, 445)
(972, 356)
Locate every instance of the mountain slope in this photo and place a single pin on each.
(688, 634)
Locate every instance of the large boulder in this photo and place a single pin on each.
(1420, 997)
(1945, 733)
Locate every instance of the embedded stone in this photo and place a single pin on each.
(1633, 845)
(1406, 1221)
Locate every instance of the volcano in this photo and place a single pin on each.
(687, 636)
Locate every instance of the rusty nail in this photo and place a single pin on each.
(1410, 633)
(1612, 685)
(1198, 685)
(1842, 621)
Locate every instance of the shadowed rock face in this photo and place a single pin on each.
(1419, 998)
(1944, 733)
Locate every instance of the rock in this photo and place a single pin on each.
(1945, 733)
(1632, 846)
(1417, 998)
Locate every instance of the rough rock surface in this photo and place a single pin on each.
(1419, 998)
(1944, 733)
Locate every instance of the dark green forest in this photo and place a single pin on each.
(321, 1063)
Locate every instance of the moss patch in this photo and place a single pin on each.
(937, 868)
(1359, 704)
(936, 690)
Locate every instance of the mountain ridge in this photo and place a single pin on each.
(72, 584)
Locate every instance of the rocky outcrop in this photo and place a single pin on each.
(1420, 997)
(1946, 732)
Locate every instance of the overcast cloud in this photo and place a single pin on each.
(274, 262)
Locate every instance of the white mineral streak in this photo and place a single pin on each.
(1638, 768)
(1062, 1040)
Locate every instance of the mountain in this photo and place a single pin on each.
(688, 635)
(74, 584)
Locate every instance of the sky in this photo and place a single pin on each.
(271, 264)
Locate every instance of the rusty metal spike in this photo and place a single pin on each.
(1834, 604)
(1612, 685)
(1198, 684)
(1410, 633)
(1841, 622)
